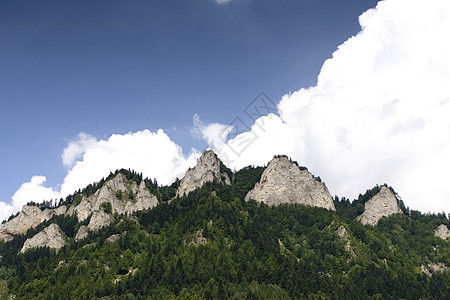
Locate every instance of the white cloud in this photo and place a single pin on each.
(379, 112)
(214, 133)
(152, 153)
(76, 148)
(222, 1)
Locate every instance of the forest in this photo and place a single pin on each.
(212, 244)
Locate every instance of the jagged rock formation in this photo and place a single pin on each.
(112, 238)
(124, 197)
(29, 217)
(343, 234)
(99, 220)
(284, 182)
(82, 233)
(206, 170)
(197, 239)
(433, 268)
(116, 191)
(442, 232)
(52, 237)
(383, 204)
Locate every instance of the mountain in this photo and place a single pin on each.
(283, 181)
(258, 233)
(208, 169)
(383, 204)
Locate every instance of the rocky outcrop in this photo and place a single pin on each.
(431, 268)
(29, 217)
(124, 196)
(207, 170)
(197, 239)
(442, 232)
(383, 204)
(52, 237)
(82, 233)
(343, 235)
(120, 195)
(99, 220)
(284, 182)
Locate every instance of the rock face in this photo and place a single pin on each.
(29, 217)
(206, 170)
(383, 204)
(442, 232)
(284, 182)
(125, 197)
(52, 237)
(433, 268)
(343, 234)
(82, 233)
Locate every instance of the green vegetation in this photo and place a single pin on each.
(252, 251)
(106, 207)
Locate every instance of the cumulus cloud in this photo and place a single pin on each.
(222, 1)
(152, 153)
(214, 133)
(76, 148)
(379, 112)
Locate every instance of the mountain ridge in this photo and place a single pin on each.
(214, 243)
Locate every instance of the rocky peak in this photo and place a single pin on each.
(123, 195)
(285, 182)
(30, 217)
(207, 169)
(442, 232)
(383, 204)
(117, 195)
(52, 237)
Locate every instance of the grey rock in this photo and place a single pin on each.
(343, 235)
(442, 232)
(29, 217)
(109, 192)
(82, 233)
(197, 239)
(433, 268)
(52, 237)
(284, 182)
(383, 204)
(113, 238)
(206, 170)
(99, 220)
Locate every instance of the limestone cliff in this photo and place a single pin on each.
(442, 232)
(383, 204)
(207, 170)
(29, 217)
(52, 237)
(124, 196)
(284, 182)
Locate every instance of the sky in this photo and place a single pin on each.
(355, 90)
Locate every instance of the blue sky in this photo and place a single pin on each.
(361, 89)
(105, 67)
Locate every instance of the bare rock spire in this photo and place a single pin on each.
(285, 182)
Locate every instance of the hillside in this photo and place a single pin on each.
(138, 240)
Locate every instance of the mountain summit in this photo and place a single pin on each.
(209, 168)
(383, 204)
(284, 181)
